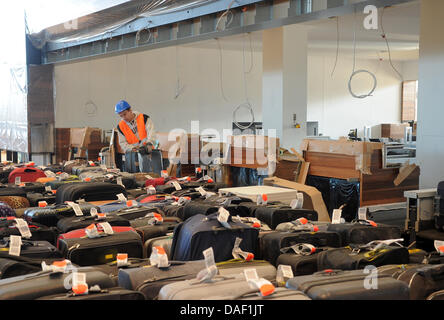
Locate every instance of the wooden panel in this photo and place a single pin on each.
(63, 137)
(408, 103)
(331, 165)
(287, 170)
(394, 131)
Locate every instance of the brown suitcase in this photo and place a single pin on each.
(15, 202)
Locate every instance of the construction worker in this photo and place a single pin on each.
(137, 138)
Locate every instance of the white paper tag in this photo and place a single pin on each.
(93, 212)
(336, 217)
(122, 259)
(202, 192)
(149, 177)
(176, 185)
(15, 245)
(23, 227)
(18, 180)
(50, 174)
(286, 271)
(48, 189)
(121, 197)
(362, 214)
(150, 190)
(78, 212)
(261, 199)
(223, 217)
(439, 246)
(209, 257)
(79, 279)
(106, 227)
(159, 258)
(300, 200)
(164, 174)
(119, 181)
(250, 274)
(207, 274)
(91, 231)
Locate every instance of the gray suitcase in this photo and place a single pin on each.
(165, 242)
(280, 293)
(222, 287)
(350, 285)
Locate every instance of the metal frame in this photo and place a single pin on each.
(198, 24)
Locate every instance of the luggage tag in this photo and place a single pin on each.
(18, 180)
(159, 258)
(362, 213)
(176, 185)
(121, 198)
(79, 285)
(43, 204)
(238, 253)
(284, 273)
(303, 249)
(264, 286)
(188, 179)
(207, 274)
(106, 227)
(302, 224)
(78, 212)
(23, 228)
(223, 216)
(336, 217)
(92, 232)
(376, 244)
(91, 163)
(49, 174)
(183, 201)
(57, 266)
(298, 203)
(156, 218)
(439, 246)
(120, 182)
(262, 199)
(150, 190)
(201, 190)
(122, 260)
(93, 212)
(210, 194)
(48, 189)
(149, 177)
(131, 203)
(15, 245)
(250, 275)
(164, 174)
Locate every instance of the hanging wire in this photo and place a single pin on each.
(356, 72)
(220, 70)
(337, 46)
(179, 89)
(384, 36)
(224, 14)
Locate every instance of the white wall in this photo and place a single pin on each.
(410, 70)
(147, 80)
(330, 102)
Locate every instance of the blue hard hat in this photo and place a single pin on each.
(122, 106)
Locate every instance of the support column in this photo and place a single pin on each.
(284, 83)
(430, 134)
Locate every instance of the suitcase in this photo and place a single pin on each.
(26, 174)
(134, 212)
(73, 223)
(104, 294)
(271, 243)
(39, 232)
(33, 249)
(252, 294)
(68, 165)
(49, 216)
(275, 214)
(349, 285)
(15, 202)
(135, 193)
(147, 232)
(35, 198)
(164, 242)
(89, 191)
(438, 295)
(113, 206)
(6, 210)
(40, 284)
(362, 233)
(201, 232)
(423, 280)
(86, 252)
(220, 286)
(6, 191)
(36, 187)
(55, 185)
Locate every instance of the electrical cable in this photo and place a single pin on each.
(337, 46)
(224, 14)
(355, 72)
(220, 70)
(138, 35)
(384, 36)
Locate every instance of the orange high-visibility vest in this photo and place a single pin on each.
(129, 134)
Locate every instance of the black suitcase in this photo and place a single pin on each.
(31, 187)
(271, 243)
(33, 249)
(49, 216)
(104, 294)
(34, 198)
(89, 191)
(73, 223)
(6, 191)
(275, 214)
(134, 212)
(361, 232)
(45, 283)
(200, 232)
(147, 232)
(349, 285)
(102, 250)
(39, 232)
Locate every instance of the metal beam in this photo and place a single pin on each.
(189, 32)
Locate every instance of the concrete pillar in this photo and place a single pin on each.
(430, 133)
(284, 83)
